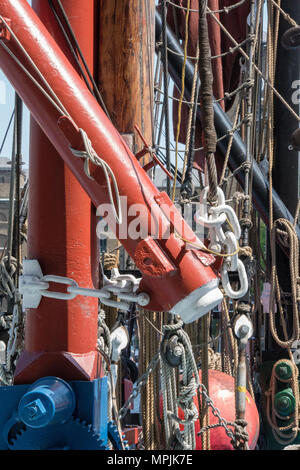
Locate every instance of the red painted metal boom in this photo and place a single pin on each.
(173, 274)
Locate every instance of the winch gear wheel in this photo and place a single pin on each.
(73, 435)
(114, 437)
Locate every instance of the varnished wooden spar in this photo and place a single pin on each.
(126, 52)
(125, 64)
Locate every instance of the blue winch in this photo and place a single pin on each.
(54, 414)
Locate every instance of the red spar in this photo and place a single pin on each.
(177, 278)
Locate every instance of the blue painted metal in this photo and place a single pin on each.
(48, 401)
(72, 435)
(90, 411)
(115, 438)
(92, 404)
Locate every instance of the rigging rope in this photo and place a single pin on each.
(284, 434)
(89, 154)
(207, 112)
(293, 244)
(191, 126)
(204, 335)
(181, 96)
(7, 130)
(268, 82)
(75, 51)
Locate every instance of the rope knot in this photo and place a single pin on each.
(173, 327)
(249, 83)
(241, 435)
(246, 251)
(246, 166)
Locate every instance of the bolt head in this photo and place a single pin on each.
(144, 299)
(177, 351)
(32, 411)
(284, 402)
(244, 330)
(283, 371)
(35, 409)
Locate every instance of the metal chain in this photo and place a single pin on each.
(215, 411)
(186, 390)
(139, 384)
(121, 285)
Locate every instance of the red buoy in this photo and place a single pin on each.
(222, 393)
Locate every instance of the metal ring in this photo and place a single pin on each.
(242, 278)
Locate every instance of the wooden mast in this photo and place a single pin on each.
(126, 52)
(126, 48)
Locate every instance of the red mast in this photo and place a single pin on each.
(61, 337)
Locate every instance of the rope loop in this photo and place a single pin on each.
(89, 154)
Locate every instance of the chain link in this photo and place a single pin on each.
(215, 411)
(34, 285)
(139, 384)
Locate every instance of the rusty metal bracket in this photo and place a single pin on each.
(151, 260)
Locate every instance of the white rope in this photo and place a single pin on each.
(90, 155)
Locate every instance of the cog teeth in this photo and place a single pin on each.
(13, 440)
(20, 432)
(94, 440)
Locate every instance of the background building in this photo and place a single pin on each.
(5, 171)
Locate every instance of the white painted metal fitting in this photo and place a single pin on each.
(34, 286)
(242, 278)
(203, 217)
(119, 341)
(243, 328)
(199, 302)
